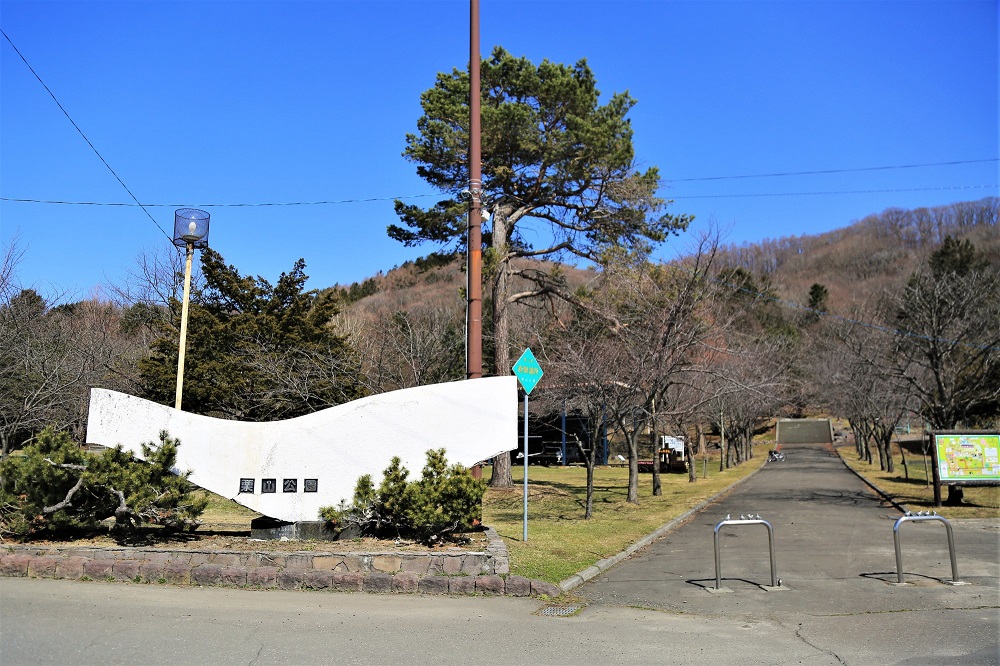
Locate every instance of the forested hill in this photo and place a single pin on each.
(860, 260)
(854, 263)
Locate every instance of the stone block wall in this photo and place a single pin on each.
(391, 572)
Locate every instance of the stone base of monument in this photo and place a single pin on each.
(318, 530)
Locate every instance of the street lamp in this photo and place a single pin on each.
(190, 232)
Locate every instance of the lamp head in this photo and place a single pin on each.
(191, 227)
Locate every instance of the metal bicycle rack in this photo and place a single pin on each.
(745, 520)
(922, 516)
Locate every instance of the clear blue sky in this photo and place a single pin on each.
(198, 103)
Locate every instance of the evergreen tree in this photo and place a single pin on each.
(559, 179)
(818, 295)
(56, 487)
(255, 351)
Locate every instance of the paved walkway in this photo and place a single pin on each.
(835, 555)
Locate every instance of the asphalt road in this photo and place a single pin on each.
(835, 557)
(834, 554)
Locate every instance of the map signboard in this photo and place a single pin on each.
(968, 458)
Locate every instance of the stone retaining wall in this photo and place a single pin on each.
(439, 572)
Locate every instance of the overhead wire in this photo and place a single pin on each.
(77, 127)
(144, 207)
(436, 194)
(808, 194)
(218, 205)
(829, 171)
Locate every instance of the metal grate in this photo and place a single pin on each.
(562, 610)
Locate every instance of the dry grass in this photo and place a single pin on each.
(561, 543)
(223, 514)
(913, 487)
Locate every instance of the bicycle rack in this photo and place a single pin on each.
(745, 520)
(922, 516)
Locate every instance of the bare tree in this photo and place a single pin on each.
(413, 347)
(635, 336)
(947, 347)
(864, 386)
(52, 354)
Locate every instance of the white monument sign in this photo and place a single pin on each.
(288, 469)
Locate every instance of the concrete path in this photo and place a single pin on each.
(835, 558)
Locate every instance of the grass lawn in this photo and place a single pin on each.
(561, 543)
(224, 514)
(917, 491)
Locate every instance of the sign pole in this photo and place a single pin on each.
(528, 373)
(525, 518)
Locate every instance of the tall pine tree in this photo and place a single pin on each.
(559, 175)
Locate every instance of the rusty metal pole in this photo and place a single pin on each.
(474, 313)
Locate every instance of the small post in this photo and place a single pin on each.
(564, 460)
(770, 543)
(908, 517)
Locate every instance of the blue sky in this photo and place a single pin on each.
(198, 103)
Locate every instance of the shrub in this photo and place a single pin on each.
(445, 500)
(54, 486)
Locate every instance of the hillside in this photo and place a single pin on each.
(877, 252)
(437, 282)
(854, 263)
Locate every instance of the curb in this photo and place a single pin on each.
(881, 493)
(601, 566)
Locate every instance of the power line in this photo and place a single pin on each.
(809, 194)
(92, 147)
(828, 171)
(222, 205)
(417, 196)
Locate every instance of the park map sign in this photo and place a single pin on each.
(968, 458)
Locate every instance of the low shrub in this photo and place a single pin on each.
(445, 500)
(56, 487)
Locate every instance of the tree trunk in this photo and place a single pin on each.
(501, 471)
(633, 468)
(590, 485)
(902, 459)
(501, 477)
(887, 446)
(723, 452)
(590, 457)
(655, 445)
(692, 470)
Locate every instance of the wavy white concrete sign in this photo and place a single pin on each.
(289, 469)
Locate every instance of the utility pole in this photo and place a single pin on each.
(474, 311)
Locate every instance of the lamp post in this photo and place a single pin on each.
(190, 232)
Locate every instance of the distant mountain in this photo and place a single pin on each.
(878, 252)
(855, 262)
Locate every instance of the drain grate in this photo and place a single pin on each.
(561, 610)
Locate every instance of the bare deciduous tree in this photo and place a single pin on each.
(634, 337)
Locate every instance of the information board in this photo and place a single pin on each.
(968, 457)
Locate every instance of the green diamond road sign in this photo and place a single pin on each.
(527, 370)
